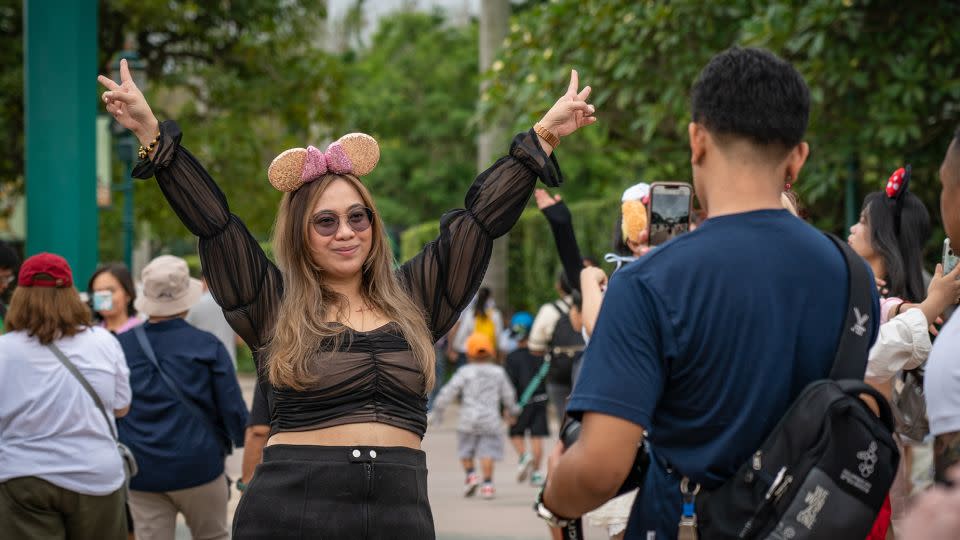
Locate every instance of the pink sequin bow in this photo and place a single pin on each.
(318, 162)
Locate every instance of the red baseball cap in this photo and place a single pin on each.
(45, 270)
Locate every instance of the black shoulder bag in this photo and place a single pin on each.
(825, 470)
(226, 445)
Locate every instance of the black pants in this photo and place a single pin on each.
(336, 492)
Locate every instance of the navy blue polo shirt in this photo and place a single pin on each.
(707, 340)
(174, 448)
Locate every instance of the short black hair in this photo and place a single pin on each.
(8, 257)
(754, 94)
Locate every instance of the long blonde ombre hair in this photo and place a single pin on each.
(300, 327)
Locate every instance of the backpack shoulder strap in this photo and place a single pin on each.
(141, 335)
(84, 383)
(854, 347)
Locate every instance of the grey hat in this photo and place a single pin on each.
(168, 288)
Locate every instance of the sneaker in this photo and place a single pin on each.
(525, 467)
(487, 491)
(470, 486)
(537, 479)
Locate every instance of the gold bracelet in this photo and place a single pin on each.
(143, 152)
(547, 135)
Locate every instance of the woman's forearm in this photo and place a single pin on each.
(592, 298)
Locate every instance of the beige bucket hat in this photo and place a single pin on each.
(168, 288)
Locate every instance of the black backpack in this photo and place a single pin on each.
(566, 345)
(826, 468)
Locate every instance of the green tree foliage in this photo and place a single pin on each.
(534, 266)
(414, 89)
(884, 80)
(11, 91)
(245, 80)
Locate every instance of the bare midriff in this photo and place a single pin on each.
(360, 434)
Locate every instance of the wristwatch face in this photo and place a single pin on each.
(546, 515)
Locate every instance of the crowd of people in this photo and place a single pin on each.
(117, 412)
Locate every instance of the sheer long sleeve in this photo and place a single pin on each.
(446, 274)
(561, 224)
(241, 278)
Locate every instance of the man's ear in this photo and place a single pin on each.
(698, 142)
(795, 160)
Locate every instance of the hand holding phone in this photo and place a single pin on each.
(950, 259)
(670, 209)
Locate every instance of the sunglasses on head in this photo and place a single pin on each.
(327, 223)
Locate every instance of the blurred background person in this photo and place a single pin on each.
(61, 475)
(207, 315)
(113, 295)
(9, 262)
(187, 411)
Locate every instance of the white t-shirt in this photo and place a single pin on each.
(49, 426)
(545, 323)
(941, 382)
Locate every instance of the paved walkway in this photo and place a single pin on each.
(507, 517)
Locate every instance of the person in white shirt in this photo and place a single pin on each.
(942, 380)
(61, 475)
(207, 315)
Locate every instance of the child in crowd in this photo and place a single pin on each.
(484, 386)
(523, 368)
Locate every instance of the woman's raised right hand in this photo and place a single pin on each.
(128, 106)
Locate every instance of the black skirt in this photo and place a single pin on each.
(364, 492)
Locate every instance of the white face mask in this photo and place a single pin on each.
(102, 301)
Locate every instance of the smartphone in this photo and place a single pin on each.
(950, 259)
(670, 209)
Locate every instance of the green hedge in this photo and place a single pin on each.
(533, 258)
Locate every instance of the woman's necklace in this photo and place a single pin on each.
(363, 319)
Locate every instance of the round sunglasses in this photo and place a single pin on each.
(328, 223)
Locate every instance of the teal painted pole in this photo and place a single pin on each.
(60, 106)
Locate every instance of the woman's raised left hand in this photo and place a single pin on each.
(571, 112)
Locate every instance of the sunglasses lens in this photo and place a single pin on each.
(326, 225)
(359, 220)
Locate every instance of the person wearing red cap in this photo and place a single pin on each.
(484, 387)
(61, 475)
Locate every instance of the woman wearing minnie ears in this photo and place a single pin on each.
(894, 226)
(344, 345)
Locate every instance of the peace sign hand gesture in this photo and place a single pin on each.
(571, 112)
(128, 106)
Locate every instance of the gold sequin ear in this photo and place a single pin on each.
(634, 219)
(362, 150)
(286, 170)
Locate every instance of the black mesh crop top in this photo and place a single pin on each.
(373, 376)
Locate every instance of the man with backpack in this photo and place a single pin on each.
(703, 345)
(554, 337)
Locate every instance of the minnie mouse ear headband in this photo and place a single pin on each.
(896, 190)
(634, 211)
(354, 153)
